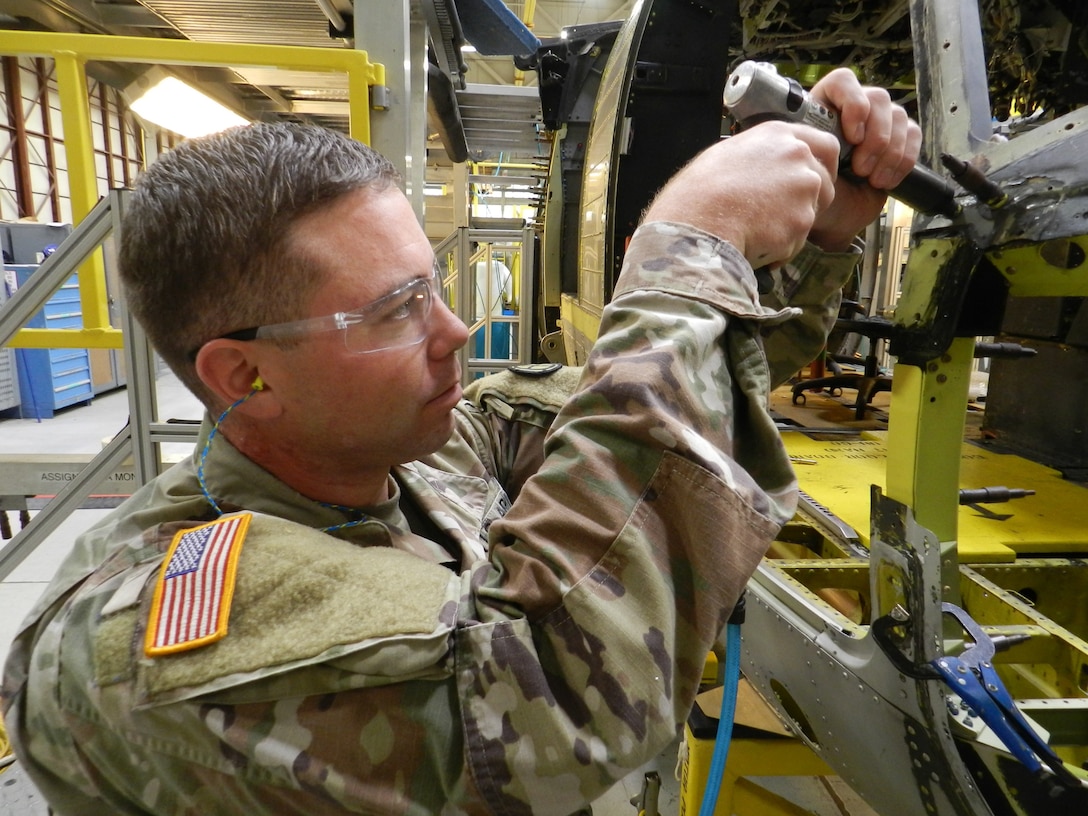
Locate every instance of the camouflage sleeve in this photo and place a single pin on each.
(580, 652)
(812, 282)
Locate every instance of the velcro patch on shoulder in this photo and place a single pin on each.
(191, 604)
(304, 597)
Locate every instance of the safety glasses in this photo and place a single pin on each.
(393, 321)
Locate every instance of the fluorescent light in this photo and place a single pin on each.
(166, 101)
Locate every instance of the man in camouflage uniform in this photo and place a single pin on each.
(436, 605)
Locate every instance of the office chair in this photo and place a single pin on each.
(868, 383)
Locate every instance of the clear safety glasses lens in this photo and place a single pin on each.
(396, 320)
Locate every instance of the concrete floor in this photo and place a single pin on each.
(84, 429)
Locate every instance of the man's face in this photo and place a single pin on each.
(364, 412)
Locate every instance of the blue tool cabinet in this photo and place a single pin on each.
(51, 379)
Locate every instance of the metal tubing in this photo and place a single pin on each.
(70, 498)
(75, 114)
(140, 362)
(50, 276)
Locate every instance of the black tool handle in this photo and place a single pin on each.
(922, 190)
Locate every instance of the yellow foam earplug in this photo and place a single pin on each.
(258, 384)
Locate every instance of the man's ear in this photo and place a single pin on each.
(231, 370)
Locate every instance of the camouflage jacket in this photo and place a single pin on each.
(520, 626)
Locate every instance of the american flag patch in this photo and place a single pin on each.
(192, 597)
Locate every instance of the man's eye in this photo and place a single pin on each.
(403, 307)
(400, 311)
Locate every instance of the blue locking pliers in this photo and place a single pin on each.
(973, 677)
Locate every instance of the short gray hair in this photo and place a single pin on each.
(204, 247)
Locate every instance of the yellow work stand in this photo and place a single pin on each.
(761, 746)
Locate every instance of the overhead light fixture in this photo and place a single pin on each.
(164, 100)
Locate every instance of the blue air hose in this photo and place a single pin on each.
(731, 681)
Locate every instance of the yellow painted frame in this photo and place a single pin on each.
(71, 52)
(748, 757)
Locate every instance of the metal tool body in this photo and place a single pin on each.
(755, 92)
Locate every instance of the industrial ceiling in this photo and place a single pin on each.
(498, 104)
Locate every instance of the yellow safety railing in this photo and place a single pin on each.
(71, 52)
